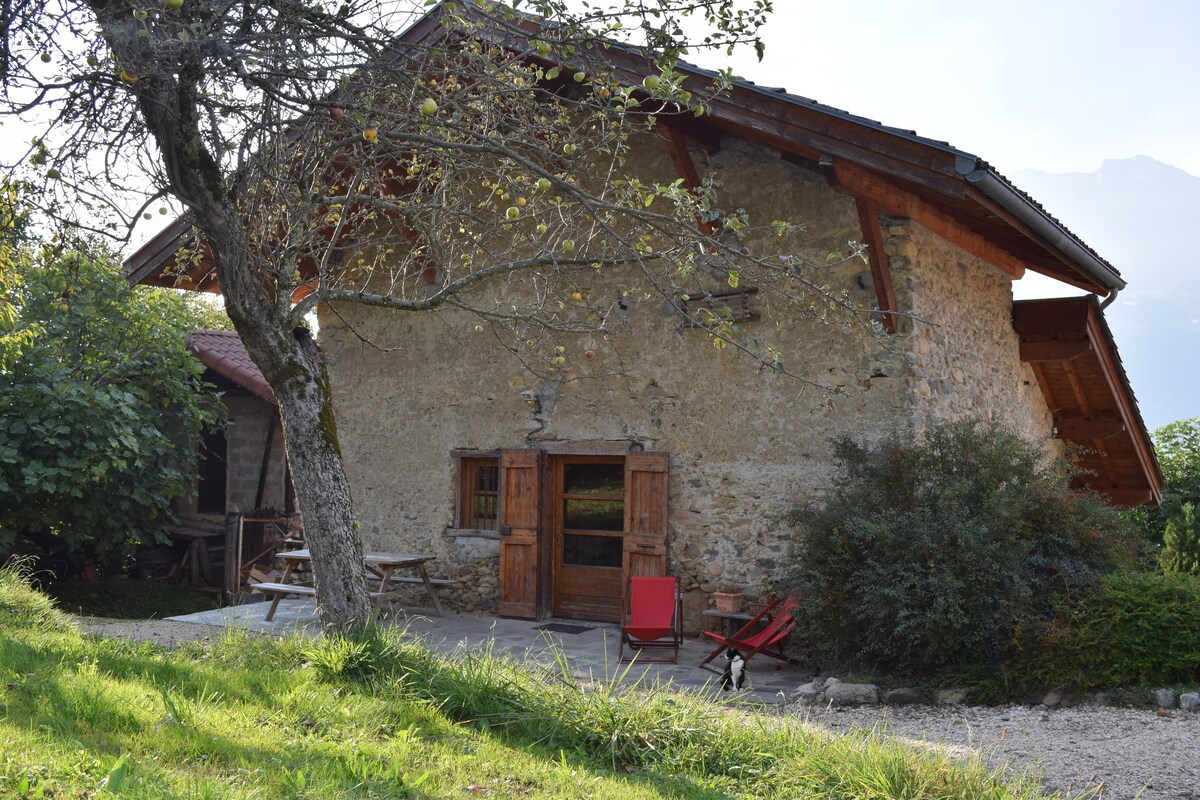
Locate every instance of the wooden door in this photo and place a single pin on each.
(646, 492)
(520, 512)
(588, 525)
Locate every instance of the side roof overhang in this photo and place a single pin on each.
(224, 353)
(1071, 349)
(901, 173)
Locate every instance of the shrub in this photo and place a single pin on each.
(1130, 629)
(1181, 542)
(928, 548)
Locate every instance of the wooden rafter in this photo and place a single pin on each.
(881, 274)
(1081, 398)
(685, 168)
(702, 134)
(1101, 426)
(863, 183)
(1023, 229)
(1055, 350)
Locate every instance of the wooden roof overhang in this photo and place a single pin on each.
(886, 169)
(1071, 350)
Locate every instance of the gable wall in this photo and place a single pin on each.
(746, 445)
(963, 353)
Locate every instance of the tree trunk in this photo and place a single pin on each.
(302, 389)
(169, 102)
(291, 363)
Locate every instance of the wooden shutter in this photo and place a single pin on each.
(520, 514)
(646, 491)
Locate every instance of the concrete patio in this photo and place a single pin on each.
(591, 653)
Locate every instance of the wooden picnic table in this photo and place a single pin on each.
(381, 565)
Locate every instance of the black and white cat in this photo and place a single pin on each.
(734, 676)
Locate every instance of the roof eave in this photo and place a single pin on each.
(997, 188)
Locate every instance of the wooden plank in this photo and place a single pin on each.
(1081, 429)
(881, 274)
(685, 168)
(647, 488)
(863, 183)
(1055, 350)
(435, 581)
(520, 513)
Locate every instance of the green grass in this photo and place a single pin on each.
(127, 599)
(384, 717)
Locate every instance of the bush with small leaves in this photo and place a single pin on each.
(930, 548)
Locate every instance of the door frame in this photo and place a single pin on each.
(645, 552)
(553, 516)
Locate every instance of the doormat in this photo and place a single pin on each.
(562, 627)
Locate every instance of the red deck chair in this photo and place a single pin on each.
(778, 622)
(652, 619)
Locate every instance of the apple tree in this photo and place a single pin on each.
(469, 156)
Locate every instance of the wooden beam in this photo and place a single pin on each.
(685, 168)
(863, 183)
(1126, 496)
(881, 274)
(1078, 279)
(705, 136)
(1110, 469)
(1081, 398)
(1078, 429)
(1055, 350)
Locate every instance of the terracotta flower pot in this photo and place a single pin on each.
(728, 602)
(757, 607)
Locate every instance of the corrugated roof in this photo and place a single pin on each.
(223, 352)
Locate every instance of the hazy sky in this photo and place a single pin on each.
(1055, 85)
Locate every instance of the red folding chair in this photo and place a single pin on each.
(652, 619)
(777, 620)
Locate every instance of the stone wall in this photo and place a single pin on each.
(746, 444)
(963, 353)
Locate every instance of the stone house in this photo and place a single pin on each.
(544, 494)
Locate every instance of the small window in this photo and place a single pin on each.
(728, 306)
(479, 492)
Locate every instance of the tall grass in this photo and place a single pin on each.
(383, 716)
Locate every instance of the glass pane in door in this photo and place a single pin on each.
(594, 479)
(579, 549)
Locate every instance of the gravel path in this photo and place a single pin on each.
(1127, 753)
(168, 633)
(1121, 751)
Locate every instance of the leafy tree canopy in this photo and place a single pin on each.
(100, 403)
(1177, 445)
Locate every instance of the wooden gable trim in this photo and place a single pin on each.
(881, 273)
(862, 183)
